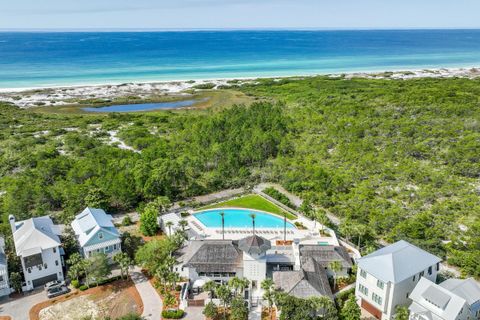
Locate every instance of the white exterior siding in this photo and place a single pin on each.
(52, 264)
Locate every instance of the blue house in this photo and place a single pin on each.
(96, 233)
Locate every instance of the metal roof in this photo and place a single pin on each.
(469, 289)
(397, 262)
(89, 222)
(34, 234)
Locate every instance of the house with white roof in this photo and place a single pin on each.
(96, 233)
(38, 245)
(4, 286)
(431, 301)
(387, 277)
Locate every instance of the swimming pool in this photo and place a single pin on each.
(239, 218)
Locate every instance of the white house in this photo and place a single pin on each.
(39, 248)
(96, 233)
(431, 301)
(387, 277)
(469, 289)
(4, 286)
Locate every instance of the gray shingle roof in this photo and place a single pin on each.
(326, 254)
(254, 244)
(309, 282)
(213, 256)
(397, 262)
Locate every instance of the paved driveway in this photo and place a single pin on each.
(152, 304)
(18, 308)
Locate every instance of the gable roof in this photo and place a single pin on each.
(34, 235)
(213, 256)
(434, 301)
(89, 222)
(469, 289)
(254, 244)
(397, 262)
(309, 282)
(325, 254)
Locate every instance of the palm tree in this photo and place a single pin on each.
(284, 227)
(210, 286)
(324, 307)
(222, 214)
(225, 295)
(335, 266)
(169, 225)
(253, 216)
(268, 286)
(183, 223)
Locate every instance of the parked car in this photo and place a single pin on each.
(53, 284)
(57, 291)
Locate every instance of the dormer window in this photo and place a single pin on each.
(100, 235)
(363, 274)
(54, 250)
(429, 270)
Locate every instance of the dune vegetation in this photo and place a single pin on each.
(393, 159)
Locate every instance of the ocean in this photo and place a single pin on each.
(42, 59)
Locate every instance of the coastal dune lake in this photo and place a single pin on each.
(45, 59)
(145, 106)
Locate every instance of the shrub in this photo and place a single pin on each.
(204, 86)
(173, 314)
(277, 195)
(178, 287)
(83, 287)
(127, 221)
(75, 283)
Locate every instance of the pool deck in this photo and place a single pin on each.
(311, 234)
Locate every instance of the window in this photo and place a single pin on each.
(56, 262)
(421, 274)
(376, 298)
(45, 266)
(54, 250)
(1, 278)
(363, 289)
(363, 273)
(438, 266)
(413, 278)
(29, 270)
(115, 246)
(408, 295)
(380, 284)
(429, 270)
(100, 235)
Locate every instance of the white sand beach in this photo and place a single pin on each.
(67, 95)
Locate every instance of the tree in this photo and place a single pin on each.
(124, 262)
(149, 222)
(75, 266)
(350, 310)
(16, 281)
(324, 308)
(130, 244)
(269, 293)
(98, 268)
(160, 205)
(96, 198)
(402, 313)
(238, 285)
(225, 296)
(156, 253)
(253, 216)
(238, 309)
(335, 266)
(222, 215)
(169, 225)
(210, 286)
(210, 311)
(296, 309)
(284, 226)
(183, 224)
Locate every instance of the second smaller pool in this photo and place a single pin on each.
(239, 218)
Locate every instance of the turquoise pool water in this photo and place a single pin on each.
(240, 218)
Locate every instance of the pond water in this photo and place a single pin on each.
(144, 106)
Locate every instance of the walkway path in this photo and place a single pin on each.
(152, 304)
(350, 286)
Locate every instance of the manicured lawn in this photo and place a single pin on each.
(252, 201)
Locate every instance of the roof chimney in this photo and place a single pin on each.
(11, 219)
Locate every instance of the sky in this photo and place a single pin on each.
(238, 14)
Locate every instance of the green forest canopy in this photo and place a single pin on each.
(400, 158)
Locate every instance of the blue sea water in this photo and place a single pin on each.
(72, 58)
(239, 218)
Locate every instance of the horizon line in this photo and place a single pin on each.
(233, 29)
